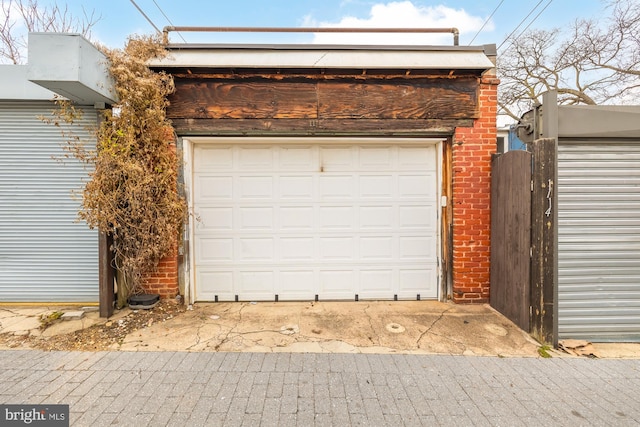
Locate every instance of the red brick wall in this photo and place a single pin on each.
(472, 149)
(163, 281)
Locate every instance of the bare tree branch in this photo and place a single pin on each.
(592, 62)
(19, 17)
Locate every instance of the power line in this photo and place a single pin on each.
(145, 16)
(527, 27)
(521, 22)
(167, 18)
(487, 21)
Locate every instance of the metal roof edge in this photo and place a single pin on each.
(311, 47)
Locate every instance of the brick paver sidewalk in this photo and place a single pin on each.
(280, 389)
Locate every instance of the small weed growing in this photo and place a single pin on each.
(47, 320)
(543, 351)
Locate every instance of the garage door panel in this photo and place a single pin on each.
(337, 248)
(255, 249)
(215, 285)
(298, 230)
(377, 283)
(337, 284)
(377, 248)
(415, 158)
(417, 186)
(294, 218)
(416, 281)
(213, 188)
(297, 188)
(377, 217)
(337, 187)
(297, 248)
(255, 158)
(296, 285)
(417, 216)
(214, 158)
(337, 159)
(376, 158)
(416, 248)
(210, 249)
(215, 219)
(255, 187)
(298, 158)
(256, 218)
(377, 186)
(255, 284)
(336, 218)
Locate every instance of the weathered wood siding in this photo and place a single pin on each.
(275, 103)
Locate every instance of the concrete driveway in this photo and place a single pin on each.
(338, 327)
(419, 327)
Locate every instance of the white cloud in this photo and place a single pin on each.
(401, 14)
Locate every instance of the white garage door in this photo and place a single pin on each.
(332, 221)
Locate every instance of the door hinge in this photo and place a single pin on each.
(532, 186)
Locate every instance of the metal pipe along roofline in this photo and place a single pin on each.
(169, 29)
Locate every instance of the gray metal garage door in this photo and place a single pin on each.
(599, 240)
(45, 256)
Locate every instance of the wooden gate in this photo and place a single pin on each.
(511, 236)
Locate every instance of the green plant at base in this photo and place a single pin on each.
(543, 351)
(49, 319)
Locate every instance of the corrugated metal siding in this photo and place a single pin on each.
(45, 255)
(599, 240)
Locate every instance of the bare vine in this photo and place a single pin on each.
(132, 192)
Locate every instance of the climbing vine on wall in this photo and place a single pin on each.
(132, 191)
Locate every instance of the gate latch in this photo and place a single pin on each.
(549, 194)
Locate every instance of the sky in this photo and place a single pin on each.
(476, 20)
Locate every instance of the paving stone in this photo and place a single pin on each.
(305, 384)
(213, 385)
(271, 411)
(214, 361)
(276, 382)
(282, 362)
(324, 389)
(223, 398)
(289, 400)
(200, 412)
(255, 362)
(244, 384)
(256, 399)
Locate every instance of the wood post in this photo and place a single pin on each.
(106, 274)
(543, 240)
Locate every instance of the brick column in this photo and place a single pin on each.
(163, 281)
(472, 149)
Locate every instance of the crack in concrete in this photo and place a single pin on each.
(10, 311)
(422, 335)
(226, 338)
(371, 325)
(197, 337)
